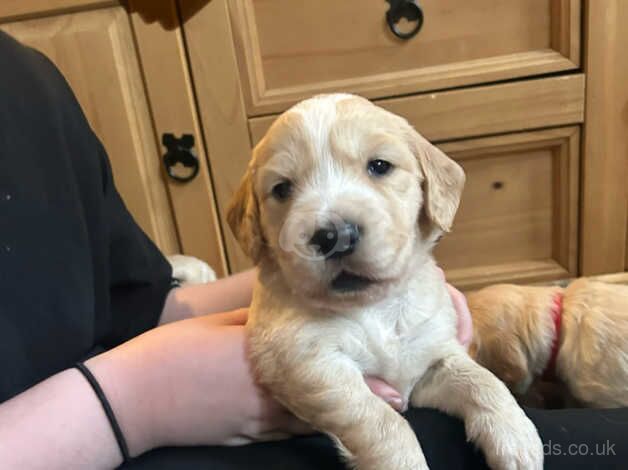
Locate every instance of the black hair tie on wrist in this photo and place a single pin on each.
(117, 432)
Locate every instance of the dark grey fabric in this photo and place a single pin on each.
(76, 273)
(573, 440)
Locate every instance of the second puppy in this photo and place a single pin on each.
(577, 335)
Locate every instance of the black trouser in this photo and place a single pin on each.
(573, 439)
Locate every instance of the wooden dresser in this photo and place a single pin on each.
(530, 96)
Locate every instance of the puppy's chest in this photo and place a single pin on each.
(397, 346)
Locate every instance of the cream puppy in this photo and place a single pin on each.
(340, 208)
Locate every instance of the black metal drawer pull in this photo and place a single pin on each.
(407, 9)
(180, 151)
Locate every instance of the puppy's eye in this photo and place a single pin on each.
(282, 191)
(379, 167)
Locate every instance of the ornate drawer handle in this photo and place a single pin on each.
(180, 151)
(408, 9)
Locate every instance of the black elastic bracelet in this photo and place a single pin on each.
(117, 432)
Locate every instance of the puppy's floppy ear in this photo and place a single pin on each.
(244, 218)
(443, 183)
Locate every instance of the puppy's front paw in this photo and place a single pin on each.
(508, 439)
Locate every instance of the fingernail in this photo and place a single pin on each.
(395, 402)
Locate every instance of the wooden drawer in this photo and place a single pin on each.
(529, 104)
(518, 219)
(289, 50)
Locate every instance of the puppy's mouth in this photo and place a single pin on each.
(349, 282)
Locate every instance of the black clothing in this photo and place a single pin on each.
(77, 275)
(572, 440)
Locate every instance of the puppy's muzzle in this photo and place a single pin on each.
(337, 241)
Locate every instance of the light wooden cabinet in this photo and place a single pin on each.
(528, 95)
(500, 85)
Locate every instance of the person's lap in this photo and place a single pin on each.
(565, 434)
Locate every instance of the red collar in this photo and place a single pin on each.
(557, 316)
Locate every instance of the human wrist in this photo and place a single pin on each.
(106, 407)
(131, 390)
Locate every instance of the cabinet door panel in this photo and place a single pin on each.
(218, 92)
(605, 143)
(518, 216)
(169, 87)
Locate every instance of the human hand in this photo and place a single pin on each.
(465, 323)
(190, 383)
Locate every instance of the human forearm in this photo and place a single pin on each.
(226, 294)
(58, 423)
(187, 383)
(154, 384)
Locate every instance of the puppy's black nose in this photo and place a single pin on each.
(336, 241)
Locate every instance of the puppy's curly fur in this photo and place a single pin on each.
(311, 342)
